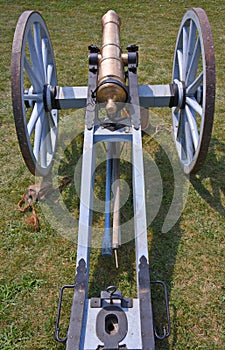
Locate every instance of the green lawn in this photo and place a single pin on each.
(189, 257)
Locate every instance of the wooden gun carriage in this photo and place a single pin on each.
(111, 321)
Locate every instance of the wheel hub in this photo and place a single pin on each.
(49, 93)
(181, 91)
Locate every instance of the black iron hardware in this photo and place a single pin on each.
(166, 333)
(57, 328)
(111, 294)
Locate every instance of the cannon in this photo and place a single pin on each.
(107, 321)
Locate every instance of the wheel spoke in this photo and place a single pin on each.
(37, 136)
(188, 144)
(44, 141)
(37, 42)
(53, 118)
(180, 63)
(183, 137)
(53, 136)
(194, 63)
(194, 86)
(37, 110)
(33, 55)
(49, 143)
(48, 139)
(191, 101)
(44, 48)
(185, 50)
(191, 43)
(176, 117)
(180, 125)
(51, 139)
(180, 135)
(49, 73)
(34, 79)
(193, 126)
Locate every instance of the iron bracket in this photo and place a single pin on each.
(92, 84)
(133, 85)
(57, 328)
(166, 333)
(111, 294)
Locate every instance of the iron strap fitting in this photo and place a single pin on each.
(166, 332)
(92, 82)
(93, 58)
(133, 85)
(132, 57)
(111, 295)
(57, 326)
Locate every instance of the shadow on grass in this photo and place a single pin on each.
(162, 253)
(164, 246)
(213, 171)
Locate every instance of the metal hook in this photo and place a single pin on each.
(57, 329)
(161, 337)
(111, 290)
(165, 332)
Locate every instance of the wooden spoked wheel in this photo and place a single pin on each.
(32, 69)
(194, 73)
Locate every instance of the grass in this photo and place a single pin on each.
(189, 257)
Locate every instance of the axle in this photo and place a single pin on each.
(168, 95)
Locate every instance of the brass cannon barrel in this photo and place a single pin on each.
(111, 79)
